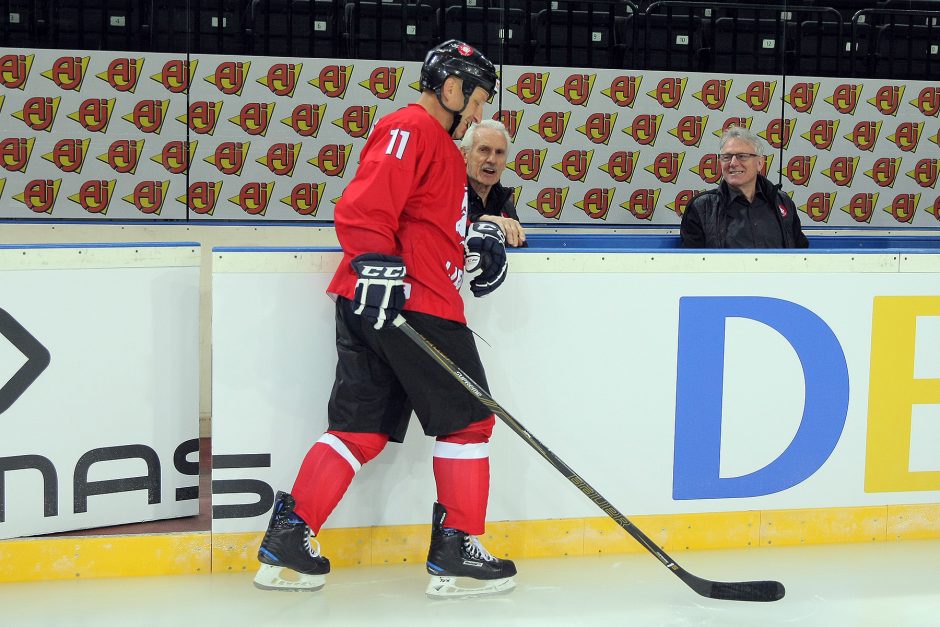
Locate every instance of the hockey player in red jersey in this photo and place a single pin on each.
(402, 224)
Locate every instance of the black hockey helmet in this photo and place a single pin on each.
(455, 58)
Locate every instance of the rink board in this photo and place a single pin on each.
(586, 350)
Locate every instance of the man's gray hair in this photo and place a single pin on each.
(467, 142)
(739, 132)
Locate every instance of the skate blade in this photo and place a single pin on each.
(446, 587)
(286, 580)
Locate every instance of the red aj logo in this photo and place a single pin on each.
(148, 115)
(229, 157)
(623, 90)
(642, 203)
(822, 133)
(176, 75)
(549, 202)
(819, 205)
(357, 120)
(575, 164)
(925, 172)
(40, 195)
(333, 80)
(122, 74)
(123, 155)
(203, 116)
(802, 97)
(799, 169)
(714, 94)
(253, 198)
(14, 70)
(552, 125)
(94, 114)
(884, 171)
(778, 132)
(903, 207)
(202, 196)
(282, 78)
(666, 166)
(577, 89)
(690, 129)
(741, 122)
(842, 170)
(596, 202)
(305, 198)
(15, 153)
(887, 99)
(254, 118)
(68, 73)
(683, 198)
(598, 127)
(933, 209)
(512, 120)
(758, 95)
(528, 164)
(845, 97)
(94, 196)
(332, 159)
(229, 77)
(176, 156)
(306, 119)
(928, 101)
(383, 82)
(865, 135)
(861, 207)
(621, 165)
(907, 135)
(668, 92)
(708, 169)
(644, 129)
(529, 87)
(149, 196)
(281, 159)
(39, 113)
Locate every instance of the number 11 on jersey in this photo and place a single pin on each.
(400, 139)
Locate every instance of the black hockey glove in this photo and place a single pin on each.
(485, 247)
(380, 290)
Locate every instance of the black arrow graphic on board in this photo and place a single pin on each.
(37, 359)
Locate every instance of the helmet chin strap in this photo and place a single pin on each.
(456, 113)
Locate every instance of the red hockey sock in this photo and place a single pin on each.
(462, 474)
(328, 469)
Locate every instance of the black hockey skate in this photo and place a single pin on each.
(288, 545)
(455, 554)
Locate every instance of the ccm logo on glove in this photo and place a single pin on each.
(380, 290)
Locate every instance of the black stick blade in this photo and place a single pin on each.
(756, 591)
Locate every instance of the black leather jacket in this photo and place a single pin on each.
(705, 223)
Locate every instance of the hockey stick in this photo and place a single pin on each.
(729, 591)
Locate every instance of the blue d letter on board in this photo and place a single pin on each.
(699, 393)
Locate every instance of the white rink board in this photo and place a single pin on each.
(121, 325)
(587, 361)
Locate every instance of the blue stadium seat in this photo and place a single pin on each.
(396, 30)
(500, 34)
(23, 23)
(98, 25)
(576, 38)
(310, 28)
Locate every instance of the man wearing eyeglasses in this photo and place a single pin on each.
(746, 210)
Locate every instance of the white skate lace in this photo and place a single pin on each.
(309, 541)
(472, 546)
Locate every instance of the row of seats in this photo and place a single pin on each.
(879, 38)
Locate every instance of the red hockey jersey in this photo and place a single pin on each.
(409, 199)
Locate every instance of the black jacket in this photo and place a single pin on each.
(705, 222)
(499, 203)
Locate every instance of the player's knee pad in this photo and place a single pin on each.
(474, 433)
(363, 446)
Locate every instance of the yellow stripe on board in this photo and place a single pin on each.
(38, 559)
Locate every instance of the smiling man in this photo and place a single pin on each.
(485, 147)
(746, 210)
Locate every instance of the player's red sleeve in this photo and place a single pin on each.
(367, 215)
